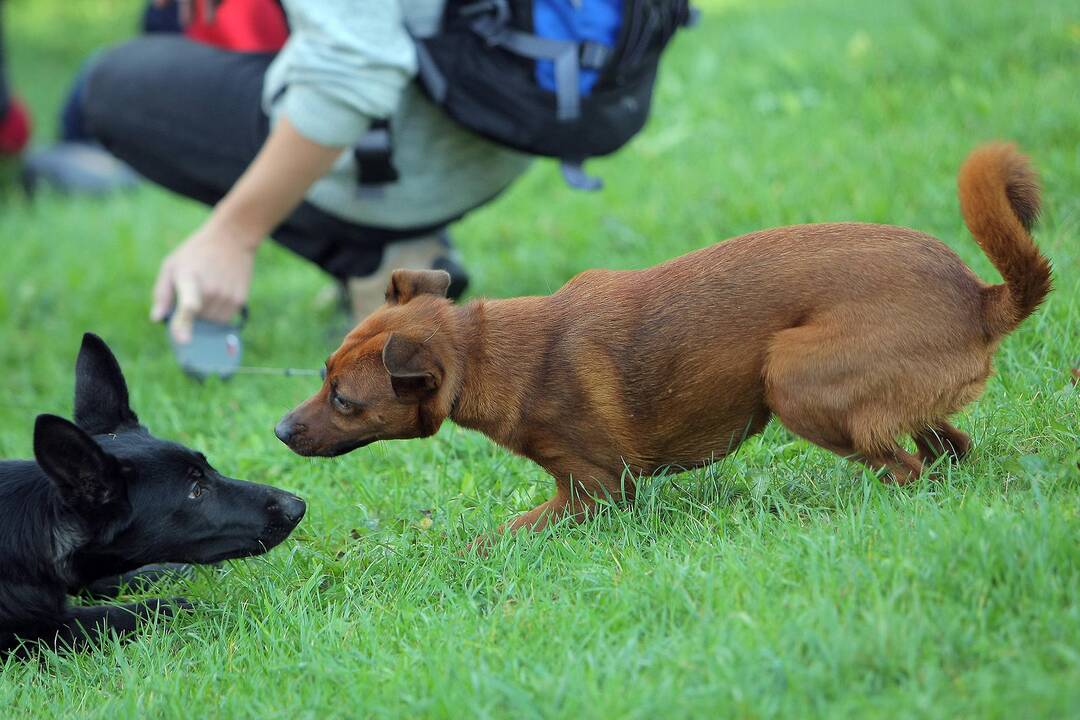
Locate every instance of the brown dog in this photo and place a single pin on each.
(853, 335)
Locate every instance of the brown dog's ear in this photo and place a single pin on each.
(407, 284)
(414, 370)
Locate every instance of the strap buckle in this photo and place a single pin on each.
(594, 55)
(499, 8)
(374, 156)
(573, 172)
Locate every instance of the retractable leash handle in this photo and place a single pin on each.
(216, 350)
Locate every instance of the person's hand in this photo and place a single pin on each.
(209, 276)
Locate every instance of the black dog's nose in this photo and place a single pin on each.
(284, 430)
(291, 508)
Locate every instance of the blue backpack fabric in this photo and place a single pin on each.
(568, 79)
(596, 21)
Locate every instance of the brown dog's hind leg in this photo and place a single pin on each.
(902, 466)
(828, 384)
(942, 439)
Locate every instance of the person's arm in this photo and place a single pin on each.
(346, 62)
(209, 275)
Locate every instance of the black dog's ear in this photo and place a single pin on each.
(407, 284)
(101, 395)
(414, 370)
(82, 472)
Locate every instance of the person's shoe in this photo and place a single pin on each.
(430, 252)
(77, 168)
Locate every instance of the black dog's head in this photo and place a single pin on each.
(131, 499)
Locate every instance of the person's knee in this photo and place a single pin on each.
(99, 88)
(119, 81)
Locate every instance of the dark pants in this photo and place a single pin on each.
(189, 117)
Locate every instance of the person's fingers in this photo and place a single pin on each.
(188, 305)
(216, 305)
(163, 293)
(235, 301)
(218, 309)
(222, 305)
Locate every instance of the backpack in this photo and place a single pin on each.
(568, 79)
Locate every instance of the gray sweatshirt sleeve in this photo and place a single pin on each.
(346, 62)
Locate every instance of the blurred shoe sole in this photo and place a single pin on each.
(74, 168)
(431, 252)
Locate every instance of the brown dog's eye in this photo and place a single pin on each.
(341, 404)
(197, 490)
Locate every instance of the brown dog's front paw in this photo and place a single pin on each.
(534, 520)
(481, 546)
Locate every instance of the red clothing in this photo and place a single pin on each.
(241, 25)
(14, 128)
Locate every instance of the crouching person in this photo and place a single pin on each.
(328, 146)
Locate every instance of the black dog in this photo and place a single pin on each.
(104, 498)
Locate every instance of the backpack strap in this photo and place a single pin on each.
(374, 156)
(563, 53)
(588, 56)
(573, 172)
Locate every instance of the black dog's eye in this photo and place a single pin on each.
(197, 489)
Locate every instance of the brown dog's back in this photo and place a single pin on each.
(674, 358)
(853, 334)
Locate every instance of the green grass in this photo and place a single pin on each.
(780, 582)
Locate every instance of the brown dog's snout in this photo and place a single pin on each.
(287, 430)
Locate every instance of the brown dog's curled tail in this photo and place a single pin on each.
(999, 198)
